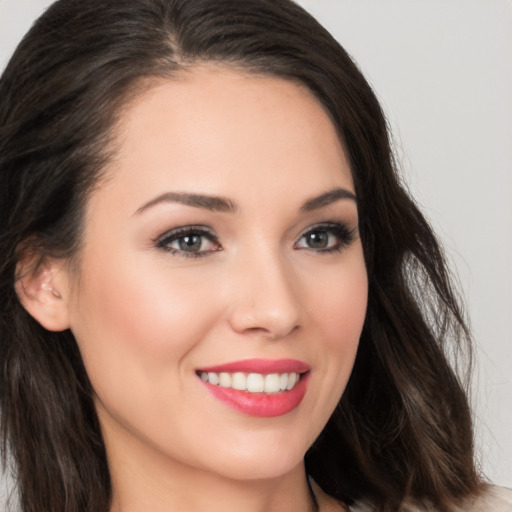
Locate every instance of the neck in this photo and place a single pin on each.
(144, 479)
(213, 495)
(198, 490)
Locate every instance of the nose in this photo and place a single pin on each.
(265, 300)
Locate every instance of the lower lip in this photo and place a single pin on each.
(261, 404)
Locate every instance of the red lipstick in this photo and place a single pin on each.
(259, 403)
(264, 366)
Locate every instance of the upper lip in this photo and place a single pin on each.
(264, 366)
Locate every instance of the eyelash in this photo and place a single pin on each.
(343, 234)
(183, 232)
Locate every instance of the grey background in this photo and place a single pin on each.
(443, 72)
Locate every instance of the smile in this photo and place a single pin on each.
(258, 387)
(253, 382)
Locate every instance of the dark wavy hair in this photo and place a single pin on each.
(402, 429)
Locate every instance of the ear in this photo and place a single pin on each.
(42, 289)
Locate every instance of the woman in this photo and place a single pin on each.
(215, 292)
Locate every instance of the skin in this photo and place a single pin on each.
(146, 318)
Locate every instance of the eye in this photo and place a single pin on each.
(327, 237)
(190, 241)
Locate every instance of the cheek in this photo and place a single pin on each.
(339, 306)
(135, 326)
(132, 320)
(338, 311)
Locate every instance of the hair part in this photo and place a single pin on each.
(402, 429)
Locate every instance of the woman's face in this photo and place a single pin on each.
(222, 252)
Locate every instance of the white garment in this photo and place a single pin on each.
(494, 499)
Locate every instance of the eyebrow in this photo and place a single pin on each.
(212, 203)
(327, 198)
(225, 205)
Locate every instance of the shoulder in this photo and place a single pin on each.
(493, 499)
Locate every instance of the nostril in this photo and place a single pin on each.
(265, 302)
(270, 332)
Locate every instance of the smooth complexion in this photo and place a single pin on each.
(226, 231)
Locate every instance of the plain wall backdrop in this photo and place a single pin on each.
(443, 72)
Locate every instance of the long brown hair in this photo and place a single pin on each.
(402, 429)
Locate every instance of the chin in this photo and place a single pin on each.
(259, 470)
(259, 462)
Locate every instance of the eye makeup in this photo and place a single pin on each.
(196, 241)
(326, 237)
(189, 241)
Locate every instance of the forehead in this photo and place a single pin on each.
(219, 131)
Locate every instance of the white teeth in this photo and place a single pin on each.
(292, 380)
(253, 382)
(239, 381)
(224, 380)
(272, 383)
(212, 378)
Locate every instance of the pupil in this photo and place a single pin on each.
(318, 239)
(190, 243)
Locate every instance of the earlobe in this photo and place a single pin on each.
(39, 291)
